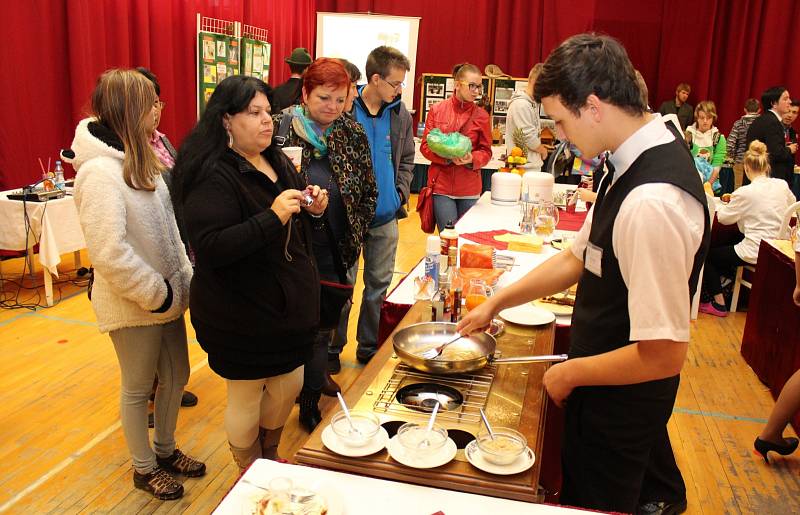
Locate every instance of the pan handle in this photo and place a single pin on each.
(547, 358)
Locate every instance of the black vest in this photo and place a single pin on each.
(601, 322)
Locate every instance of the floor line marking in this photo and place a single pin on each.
(687, 411)
(74, 456)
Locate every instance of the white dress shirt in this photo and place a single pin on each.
(757, 209)
(656, 234)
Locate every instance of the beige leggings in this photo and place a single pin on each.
(259, 402)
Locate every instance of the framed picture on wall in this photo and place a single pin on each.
(434, 89)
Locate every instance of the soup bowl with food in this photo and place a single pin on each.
(506, 446)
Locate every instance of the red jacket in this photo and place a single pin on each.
(454, 115)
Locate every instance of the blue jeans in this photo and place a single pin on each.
(380, 249)
(446, 209)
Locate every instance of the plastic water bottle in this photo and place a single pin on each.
(59, 180)
(432, 253)
(420, 129)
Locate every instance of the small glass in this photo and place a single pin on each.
(545, 220)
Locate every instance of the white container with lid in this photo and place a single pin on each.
(506, 188)
(538, 186)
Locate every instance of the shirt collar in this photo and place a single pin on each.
(780, 118)
(652, 134)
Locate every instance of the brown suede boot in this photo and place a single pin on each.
(244, 457)
(270, 438)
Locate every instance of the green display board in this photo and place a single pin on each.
(219, 58)
(255, 58)
(439, 86)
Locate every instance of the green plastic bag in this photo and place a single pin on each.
(449, 146)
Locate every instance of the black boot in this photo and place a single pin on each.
(310, 415)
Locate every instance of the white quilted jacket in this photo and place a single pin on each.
(132, 239)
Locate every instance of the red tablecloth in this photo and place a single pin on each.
(571, 221)
(487, 238)
(771, 339)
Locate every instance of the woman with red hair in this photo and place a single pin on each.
(336, 155)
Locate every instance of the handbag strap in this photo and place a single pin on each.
(337, 259)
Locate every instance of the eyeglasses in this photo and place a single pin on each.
(473, 87)
(158, 104)
(394, 86)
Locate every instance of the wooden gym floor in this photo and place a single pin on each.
(62, 448)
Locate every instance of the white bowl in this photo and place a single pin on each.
(366, 424)
(418, 442)
(505, 448)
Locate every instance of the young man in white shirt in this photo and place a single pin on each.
(636, 260)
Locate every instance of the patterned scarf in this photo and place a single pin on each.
(309, 131)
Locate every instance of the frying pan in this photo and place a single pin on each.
(467, 354)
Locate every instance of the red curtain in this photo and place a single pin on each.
(55, 51)
(727, 51)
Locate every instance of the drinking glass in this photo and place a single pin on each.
(545, 220)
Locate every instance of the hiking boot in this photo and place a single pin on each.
(159, 483)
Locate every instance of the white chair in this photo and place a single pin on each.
(739, 282)
(791, 212)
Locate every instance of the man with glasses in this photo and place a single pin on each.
(389, 129)
(166, 154)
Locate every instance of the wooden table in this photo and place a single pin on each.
(771, 338)
(459, 474)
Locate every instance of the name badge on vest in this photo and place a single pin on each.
(593, 260)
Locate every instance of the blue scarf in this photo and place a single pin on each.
(308, 130)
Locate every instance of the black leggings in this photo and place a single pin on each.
(719, 258)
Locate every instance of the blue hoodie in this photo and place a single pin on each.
(378, 129)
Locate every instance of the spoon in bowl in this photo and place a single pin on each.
(486, 423)
(425, 443)
(353, 428)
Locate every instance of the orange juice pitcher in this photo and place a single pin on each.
(477, 293)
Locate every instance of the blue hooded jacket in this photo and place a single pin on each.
(378, 129)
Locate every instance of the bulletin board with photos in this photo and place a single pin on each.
(255, 58)
(502, 91)
(219, 58)
(439, 86)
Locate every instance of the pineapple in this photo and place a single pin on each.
(519, 141)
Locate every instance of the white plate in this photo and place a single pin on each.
(442, 457)
(335, 444)
(527, 314)
(251, 494)
(521, 464)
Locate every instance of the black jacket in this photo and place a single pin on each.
(769, 130)
(254, 299)
(287, 94)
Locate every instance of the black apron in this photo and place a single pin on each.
(616, 452)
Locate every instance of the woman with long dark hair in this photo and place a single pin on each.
(255, 292)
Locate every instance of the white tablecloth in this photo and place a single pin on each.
(348, 494)
(485, 216)
(54, 226)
